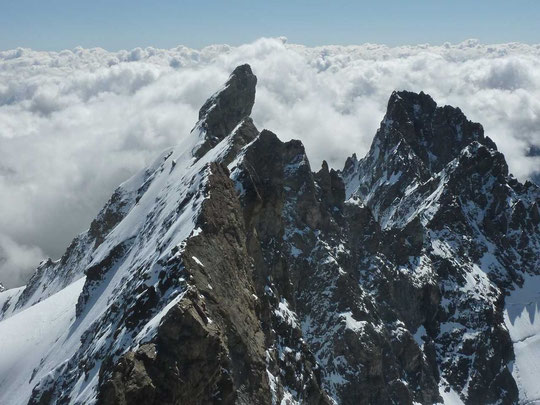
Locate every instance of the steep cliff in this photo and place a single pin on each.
(229, 271)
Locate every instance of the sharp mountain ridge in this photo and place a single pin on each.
(228, 271)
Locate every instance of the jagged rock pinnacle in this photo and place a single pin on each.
(436, 134)
(386, 283)
(222, 112)
(401, 104)
(416, 141)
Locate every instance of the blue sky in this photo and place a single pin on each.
(121, 24)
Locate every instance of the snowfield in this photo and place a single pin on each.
(41, 334)
(522, 318)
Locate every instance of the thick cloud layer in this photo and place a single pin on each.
(76, 123)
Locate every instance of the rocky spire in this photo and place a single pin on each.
(244, 277)
(435, 134)
(415, 142)
(227, 108)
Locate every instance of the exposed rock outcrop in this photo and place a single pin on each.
(222, 112)
(230, 272)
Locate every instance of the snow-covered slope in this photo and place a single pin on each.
(522, 318)
(35, 341)
(229, 272)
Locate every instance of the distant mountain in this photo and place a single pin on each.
(230, 272)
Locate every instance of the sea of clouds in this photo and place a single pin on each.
(76, 123)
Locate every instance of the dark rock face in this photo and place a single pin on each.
(435, 134)
(449, 210)
(383, 283)
(223, 111)
(308, 244)
(415, 141)
(212, 340)
(209, 347)
(226, 109)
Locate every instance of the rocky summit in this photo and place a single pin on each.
(229, 271)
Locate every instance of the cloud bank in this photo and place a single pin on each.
(76, 123)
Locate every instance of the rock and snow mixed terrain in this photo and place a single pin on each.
(230, 272)
(522, 318)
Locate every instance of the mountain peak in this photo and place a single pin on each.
(224, 110)
(416, 141)
(435, 134)
(413, 103)
(385, 283)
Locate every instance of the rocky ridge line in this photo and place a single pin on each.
(230, 272)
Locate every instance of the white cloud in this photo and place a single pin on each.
(75, 123)
(17, 261)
